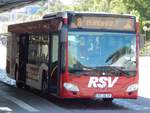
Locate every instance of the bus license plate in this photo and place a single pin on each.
(103, 96)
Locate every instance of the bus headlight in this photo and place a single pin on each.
(71, 87)
(132, 88)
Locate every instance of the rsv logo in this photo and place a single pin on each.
(102, 82)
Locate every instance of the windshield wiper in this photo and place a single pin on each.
(80, 70)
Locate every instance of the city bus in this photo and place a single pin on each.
(76, 55)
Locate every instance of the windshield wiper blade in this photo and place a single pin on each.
(88, 69)
(80, 70)
(76, 70)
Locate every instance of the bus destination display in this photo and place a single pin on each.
(114, 23)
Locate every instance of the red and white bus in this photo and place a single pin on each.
(76, 55)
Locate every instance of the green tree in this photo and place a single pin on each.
(140, 6)
(111, 6)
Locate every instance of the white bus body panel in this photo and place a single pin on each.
(34, 75)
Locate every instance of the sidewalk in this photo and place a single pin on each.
(144, 76)
(4, 78)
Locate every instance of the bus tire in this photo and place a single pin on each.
(44, 88)
(108, 100)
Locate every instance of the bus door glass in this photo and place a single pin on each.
(54, 61)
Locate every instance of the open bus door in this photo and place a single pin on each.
(53, 63)
(56, 59)
(23, 57)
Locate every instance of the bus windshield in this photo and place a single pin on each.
(92, 50)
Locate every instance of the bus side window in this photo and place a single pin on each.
(38, 49)
(33, 51)
(44, 49)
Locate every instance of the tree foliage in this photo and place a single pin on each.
(111, 6)
(140, 6)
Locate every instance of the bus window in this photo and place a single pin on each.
(44, 48)
(54, 48)
(38, 49)
(32, 49)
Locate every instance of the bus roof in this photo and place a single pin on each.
(40, 26)
(53, 20)
(65, 13)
